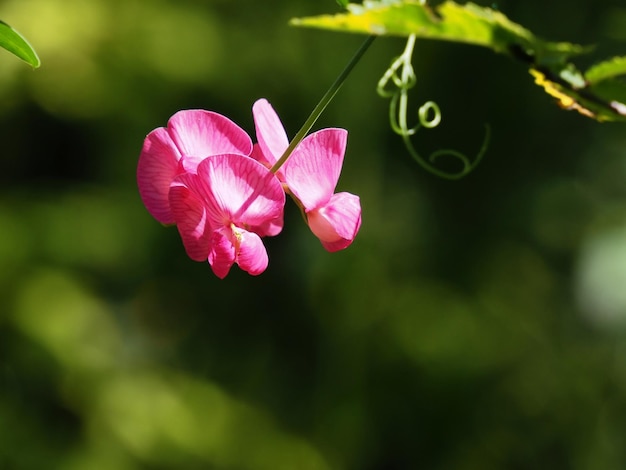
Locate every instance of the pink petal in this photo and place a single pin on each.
(339, 245)
(198, 134)
(252, 256)
(190, 216)
(337, 223)
(312, 171)
(157, 167)
(270, 132)
(258, 155)
(240, 190)
(222, 252)
(269, 228)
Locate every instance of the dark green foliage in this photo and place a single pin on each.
(474, 324)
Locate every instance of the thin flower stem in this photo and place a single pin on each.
(321, 106)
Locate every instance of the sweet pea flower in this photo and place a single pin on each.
(189, 138)
(224, 208)
(311, 174)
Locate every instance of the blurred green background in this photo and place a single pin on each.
(472, 325)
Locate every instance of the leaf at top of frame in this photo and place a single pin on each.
(450, 21)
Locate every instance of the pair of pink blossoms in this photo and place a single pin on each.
(203, 174)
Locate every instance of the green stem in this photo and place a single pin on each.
(321, 106)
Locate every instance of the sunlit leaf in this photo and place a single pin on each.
(469, 23)
(604, 103)
(607, 69)
(597, 93)
(15, 43)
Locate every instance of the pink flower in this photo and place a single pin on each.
(203, 174)
(311, 174)
(190, 137)
(224, 208)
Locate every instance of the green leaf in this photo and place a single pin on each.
(469, 23)
(603, 102)
(607, 69)
(15, 43)
(597, 93)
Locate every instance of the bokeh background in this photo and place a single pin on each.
(472, 325)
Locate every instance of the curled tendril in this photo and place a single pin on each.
(395, 85)
(423, 111)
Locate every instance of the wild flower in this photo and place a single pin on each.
(310, 175)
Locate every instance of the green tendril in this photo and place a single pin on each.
(395, 85)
